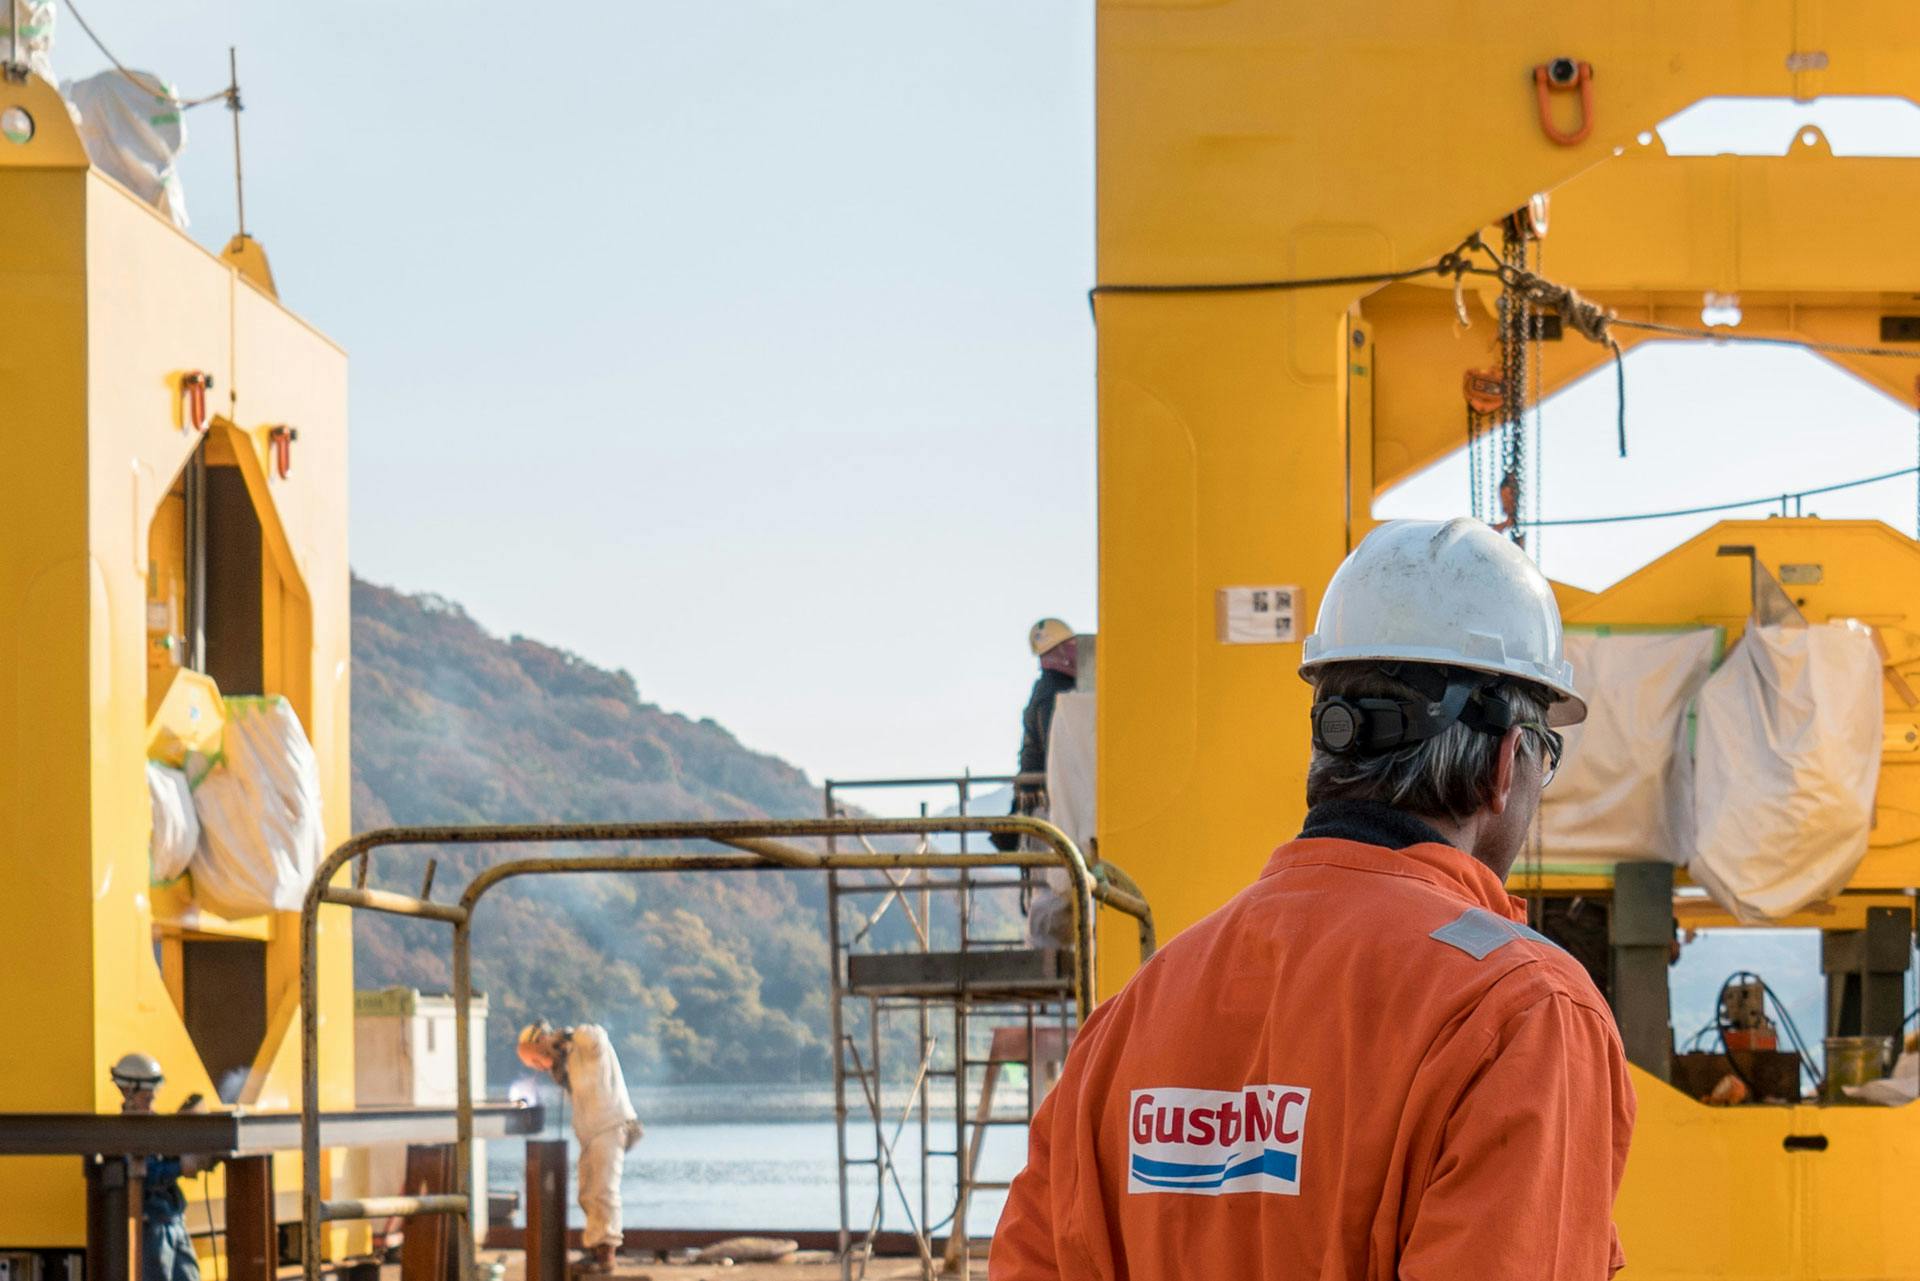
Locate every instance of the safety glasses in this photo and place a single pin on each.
(1554, 745)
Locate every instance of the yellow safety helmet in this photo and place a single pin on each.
(1048, 633)
(533, 1048)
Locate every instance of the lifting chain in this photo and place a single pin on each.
(1536, 393)
(1516, 318)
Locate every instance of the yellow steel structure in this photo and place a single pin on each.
(1245, 434)
(1840, 1212)
(109, 309)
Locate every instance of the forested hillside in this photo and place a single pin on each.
(697, 977)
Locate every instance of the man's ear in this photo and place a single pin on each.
(1505, 761)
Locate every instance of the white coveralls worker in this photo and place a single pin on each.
(605, 1124)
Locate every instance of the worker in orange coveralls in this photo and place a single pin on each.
(1365, 1065)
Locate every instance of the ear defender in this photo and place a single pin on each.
(1372, 726)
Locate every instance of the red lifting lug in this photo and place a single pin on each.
(194, 386)
(1564, 75)
(281, 440)
(1485, 389)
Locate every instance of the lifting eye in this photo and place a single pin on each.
(1564, 75)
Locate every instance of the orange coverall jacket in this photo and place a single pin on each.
(1363, 1066)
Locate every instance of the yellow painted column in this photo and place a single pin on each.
(1223, 462)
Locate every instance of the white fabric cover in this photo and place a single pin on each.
(33, 19)
(1070, 768)
(259, 807)
(176, 828)
(134, 135)
(1625, 782)
(1787, 760)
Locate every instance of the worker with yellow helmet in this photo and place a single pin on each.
(1058, 649)
(1054, 644)
(1365, 1064)
(581, 1060)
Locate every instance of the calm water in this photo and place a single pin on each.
(763, 1157)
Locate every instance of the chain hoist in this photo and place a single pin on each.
(1537, 393)
(1514, 316)
(1486, 397)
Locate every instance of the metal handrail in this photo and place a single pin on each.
(761, 850)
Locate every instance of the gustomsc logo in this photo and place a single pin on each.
(1212, 1142)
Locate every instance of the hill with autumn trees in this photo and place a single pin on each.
(697, 977)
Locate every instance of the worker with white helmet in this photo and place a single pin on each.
(1054, 644)
(1365, 1064)
(581, 1060)
(166, 1247)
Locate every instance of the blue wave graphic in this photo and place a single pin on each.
(1171, 1174)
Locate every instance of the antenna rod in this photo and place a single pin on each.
(233, 105)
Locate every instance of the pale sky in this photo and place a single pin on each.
(746, 346)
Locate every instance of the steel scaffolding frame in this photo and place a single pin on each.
(1037, 1011)
(759, 845)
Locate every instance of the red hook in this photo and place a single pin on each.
(281, 439)
(1568, 75)
(194, 386)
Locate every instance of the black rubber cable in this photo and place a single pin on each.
(1722, 507)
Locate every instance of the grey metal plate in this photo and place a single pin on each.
(247, 1133)
(1000, 970)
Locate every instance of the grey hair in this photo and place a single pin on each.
(1450, 773)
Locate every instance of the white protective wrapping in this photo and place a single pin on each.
(1624, 790)
(1070, 781)
(259, 808)
(1786, 764)
(32, 27)
(134, 134)
(176, 828)
(1070, 768)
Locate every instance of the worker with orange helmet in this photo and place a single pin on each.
(581, 1060)
(1365, 1064)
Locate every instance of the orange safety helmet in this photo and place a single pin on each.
(534, 1047)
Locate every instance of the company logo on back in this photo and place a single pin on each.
(1213, 1142)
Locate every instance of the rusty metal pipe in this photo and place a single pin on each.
(791, 855)
(383, 1207)
(394, 904)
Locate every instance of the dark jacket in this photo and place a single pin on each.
(1036, 722)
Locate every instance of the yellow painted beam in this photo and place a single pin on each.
(1813, 245)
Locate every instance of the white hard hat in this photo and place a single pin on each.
(136, 1071)
(1047, 633)
(1446, 592)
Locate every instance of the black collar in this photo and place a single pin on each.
(1368, 823)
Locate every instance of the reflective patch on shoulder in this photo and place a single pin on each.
(1479, 933)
